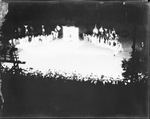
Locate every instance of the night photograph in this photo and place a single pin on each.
(74, 59)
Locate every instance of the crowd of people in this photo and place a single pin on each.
(36, 39)
(34, 94)
(92, 78)
(104, 37)
(72, 76)
(9, 51)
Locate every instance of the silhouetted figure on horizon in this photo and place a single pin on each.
(43, 30)
(95, 31)
(26, 30)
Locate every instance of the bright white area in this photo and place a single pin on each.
(81, 57)
(70, 55)
(70, 33)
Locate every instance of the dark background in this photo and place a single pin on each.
(79, 13)
(33, 95)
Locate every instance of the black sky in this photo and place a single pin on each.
(29, 11)
(74, 13)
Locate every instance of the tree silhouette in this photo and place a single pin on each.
(136, 68)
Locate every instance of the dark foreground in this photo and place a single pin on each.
(34, 96)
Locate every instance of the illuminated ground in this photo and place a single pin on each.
(80, 57)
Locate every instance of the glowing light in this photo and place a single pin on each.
(129, 81)
(82, 57)
(70, 33)
(79, 59)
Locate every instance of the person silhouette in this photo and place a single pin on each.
(43, 30)
(101, 30)
(95, 31)
(26, 30)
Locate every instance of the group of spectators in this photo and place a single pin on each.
(104, 37)
(9, 51)
(29, 30)
(74, 76)
(36, 39)
(101, 36)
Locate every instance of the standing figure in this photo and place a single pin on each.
(43, 30)
(26, 30)
(99, 39)
(107, 38)
(110, 42)
(116, 37)
(105, 30)
(29, 39)
(114, 33)
(95, 31)
(111, 36)
(58, 28)
(54, 34)
(101, 30)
